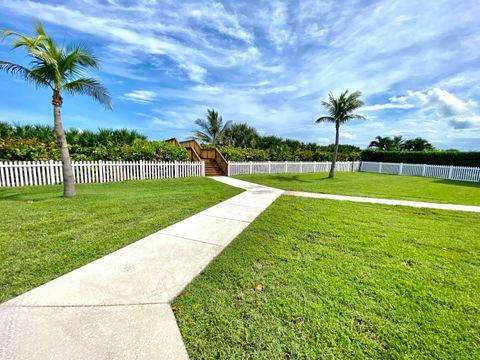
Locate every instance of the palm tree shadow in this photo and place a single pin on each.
(296, 178)
(7, 195)
(459, 183)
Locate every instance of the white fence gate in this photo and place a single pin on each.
(26, 173)
(276, 167)
(435, 171)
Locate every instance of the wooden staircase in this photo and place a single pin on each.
(212, 168)
(215, 163)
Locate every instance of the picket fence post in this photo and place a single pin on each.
(400, 171)
(52, 172)
(251, 168)
(175, 169)
(269, 167)
(286, 166)
(424, 169)
(142, 170)
(450, 171)
(380, 167)
(301, 167)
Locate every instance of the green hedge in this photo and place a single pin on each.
(32, 150)
(276, 154)
(424, 157)
(243, 154)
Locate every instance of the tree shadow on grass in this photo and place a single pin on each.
(296, 178)
(35, 196)
(459, 183)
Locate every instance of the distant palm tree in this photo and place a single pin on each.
(417, 144)
(241, 135)
(60, 69)
(398, 142)
(381, 143)
(340, 110)
(213, 128)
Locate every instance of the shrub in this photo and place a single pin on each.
(155, 151)
(424, 157)
(27, 150)
(243, 154)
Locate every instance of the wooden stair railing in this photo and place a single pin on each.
(198, 153)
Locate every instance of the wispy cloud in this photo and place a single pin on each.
(139, 96)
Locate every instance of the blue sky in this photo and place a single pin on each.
(266, 63)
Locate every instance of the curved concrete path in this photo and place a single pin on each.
(117, 307)
(362, 199)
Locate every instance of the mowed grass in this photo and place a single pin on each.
(323, 279)
(375, 185)
(43, 235)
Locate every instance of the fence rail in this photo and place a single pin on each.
(435, 171)
(27, 173)
(275, 167)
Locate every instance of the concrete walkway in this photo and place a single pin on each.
(117, 307)
(362, 199)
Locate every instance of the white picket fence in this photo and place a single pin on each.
(276, 167)
(27, 173)
(435, 171)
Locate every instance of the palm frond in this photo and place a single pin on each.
(325, 119)
(23, 72)
(201, 136)
(349, 117)
(90, 87)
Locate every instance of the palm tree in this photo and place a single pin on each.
(417, 144)
(397, 142)
(387, 143)
(381, 143)
(241, 135)
(59, 69)
(213, 128)
(340, 110)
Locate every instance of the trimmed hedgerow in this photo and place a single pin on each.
(424, 157)
(243, 154)
(33, 150)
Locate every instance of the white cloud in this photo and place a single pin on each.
(139, 96)
(386, 106)
(439, 104)
(347, 135)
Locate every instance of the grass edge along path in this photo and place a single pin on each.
(398, 187)
(327, 279)
(43, 235)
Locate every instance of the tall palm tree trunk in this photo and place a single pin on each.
(68, 181)
(335, 151)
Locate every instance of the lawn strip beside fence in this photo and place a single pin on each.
(461, 173)
(31, 173)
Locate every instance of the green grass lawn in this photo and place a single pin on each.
(323, 279)
(43, 235)
(376, 185)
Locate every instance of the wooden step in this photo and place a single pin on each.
(212, 168)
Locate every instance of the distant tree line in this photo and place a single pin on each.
(242, 142)
(398, 143)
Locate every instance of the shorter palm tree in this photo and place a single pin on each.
(340, 111)
(213, 128)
